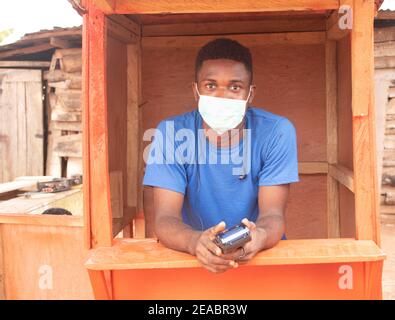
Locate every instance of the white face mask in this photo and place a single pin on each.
(222, 114)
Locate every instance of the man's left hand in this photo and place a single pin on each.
(251, 248)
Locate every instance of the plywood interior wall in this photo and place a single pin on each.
(290, 81)
(345, 146)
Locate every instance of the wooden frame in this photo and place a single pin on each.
(104, 20)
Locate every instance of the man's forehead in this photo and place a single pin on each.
(223, 67)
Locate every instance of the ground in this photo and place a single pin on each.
(387, 244)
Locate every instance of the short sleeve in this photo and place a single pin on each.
(162, 170)
(280, 163)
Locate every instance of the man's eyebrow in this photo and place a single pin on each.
(236, 80)
(208, 79)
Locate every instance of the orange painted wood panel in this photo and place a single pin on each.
(309, 281)
(149, 254)
(44, 262)
(293, 269)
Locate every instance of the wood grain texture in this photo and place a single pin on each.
(364, 134)
(206, 6)
(333, 211)
(345, 135)
(97, 129)
(21, 124)
(32, 252)
(148, 253)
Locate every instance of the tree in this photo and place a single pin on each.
(4, 34)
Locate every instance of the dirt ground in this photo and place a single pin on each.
(388, 246)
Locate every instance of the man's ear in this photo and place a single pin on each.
(194, 91)
(252, 94)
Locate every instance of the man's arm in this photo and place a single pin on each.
(175, 234)
(272, 201)
(169, 227)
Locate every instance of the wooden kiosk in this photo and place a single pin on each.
(138, 66)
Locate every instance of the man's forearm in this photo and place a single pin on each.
(175, 234)
(273, 225)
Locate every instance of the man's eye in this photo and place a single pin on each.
(235, 87)
(210, 85)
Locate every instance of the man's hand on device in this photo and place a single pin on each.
(209, 254)
(251, 248)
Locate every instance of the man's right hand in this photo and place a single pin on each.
(209, 254)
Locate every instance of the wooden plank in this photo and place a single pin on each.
(119, 224)
(384, 34)
(34, 116)
(266, 39)
(206, 6)
(68, 145)
(42, 220)
(72, 63)
(384, 49)
(117, 100)
(53, 267)
(336, 23)
(232, 27)
(133, 124)
(60, 43)
(25, 51)
(126, 23)
(120, 33)
(86, 128)
(364, 135)
(67, 125)
(61, 33)
(98, 281)
(381, 98)
(116, 187)
(386, 209)
(21, 128)
(16, 185)
(25, 64)
(2, 270)
(149, 254)
(333, 209)
(384, 62)
(97, 148)
(314, 167)
(343, 175)
(39, 202)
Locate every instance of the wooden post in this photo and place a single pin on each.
(333, 211)
(364, 144)
(133, 125)
(97, 206)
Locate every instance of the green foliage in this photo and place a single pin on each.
(5, 33)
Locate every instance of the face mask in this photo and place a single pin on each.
(222, 114)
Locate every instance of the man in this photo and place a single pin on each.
(195, 197)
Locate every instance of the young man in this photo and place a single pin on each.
(201, 193)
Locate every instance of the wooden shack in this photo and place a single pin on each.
(41, 256)
(138, 61)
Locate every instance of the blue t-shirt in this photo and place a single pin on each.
(221, 184)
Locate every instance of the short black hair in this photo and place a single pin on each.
(224, 48)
